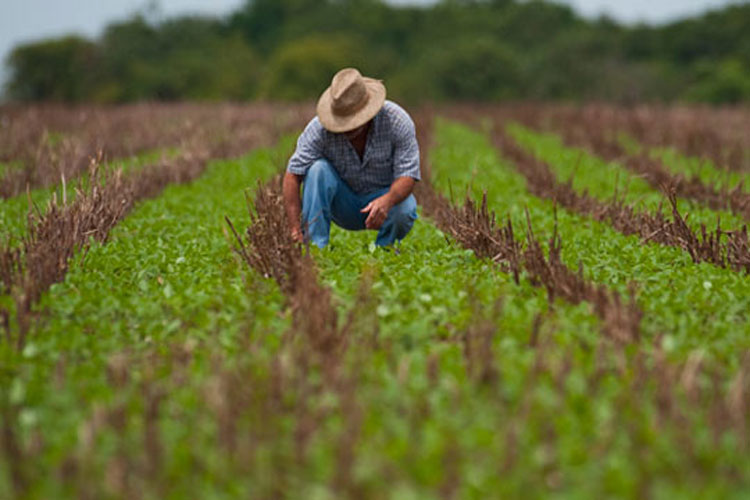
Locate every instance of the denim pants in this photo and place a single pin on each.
(326, 198)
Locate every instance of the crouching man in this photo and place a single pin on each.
(358, 161)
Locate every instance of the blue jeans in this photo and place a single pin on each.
(326, 198)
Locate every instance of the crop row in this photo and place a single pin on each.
(39, 145)
(65, 229)
(15, 211)
(691, 305)
(42, 144)
(475, 228)
(634, 179)
(164, 288)
(598, 133)
(165, 131)
(505, 192)
(628, 209)
(718, 136)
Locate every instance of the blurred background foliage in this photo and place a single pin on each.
(452, 50)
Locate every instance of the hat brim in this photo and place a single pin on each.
(337, 123)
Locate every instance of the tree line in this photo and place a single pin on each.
(473, 50)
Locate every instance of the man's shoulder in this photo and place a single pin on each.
(395, 111)
(313, 132)
(397, 116)
(314, 126)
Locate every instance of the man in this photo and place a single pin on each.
(359, 161)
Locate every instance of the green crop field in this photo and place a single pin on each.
(569, 317)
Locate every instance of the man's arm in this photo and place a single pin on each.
(292, 203)
(379, 207)
(309, 149)
(405, 170)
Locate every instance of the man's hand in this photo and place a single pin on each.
(378, 211)
(379, 207)
(292, 204)
(297, 235)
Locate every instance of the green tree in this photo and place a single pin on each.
(725, 82)
(453, 49)
(263, 22)
(468, 69)
(183, 58)
(303, 69)
(60, 70)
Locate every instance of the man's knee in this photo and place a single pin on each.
(404, 214)
(321, 180)
(320, 170)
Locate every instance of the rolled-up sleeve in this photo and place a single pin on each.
(309, 148)
(406, 149)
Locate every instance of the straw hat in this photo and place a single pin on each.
(351, 101)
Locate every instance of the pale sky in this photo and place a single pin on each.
(26, 20)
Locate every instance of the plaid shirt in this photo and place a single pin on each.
(391, 151)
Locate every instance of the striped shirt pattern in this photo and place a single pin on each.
(391, 151)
